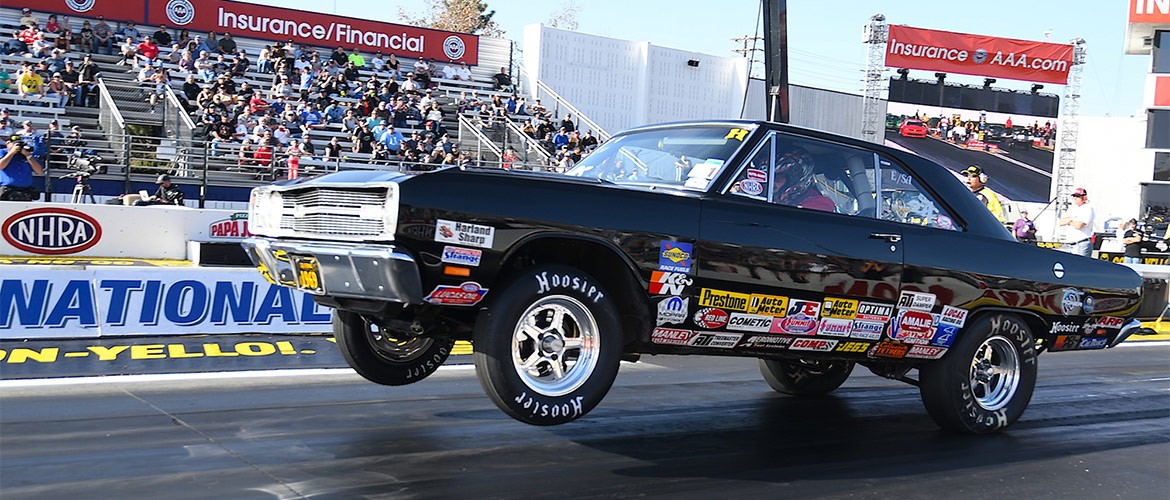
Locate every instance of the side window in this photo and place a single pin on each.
(810, 174)
(903, 200)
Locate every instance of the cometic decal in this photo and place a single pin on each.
(749, 322)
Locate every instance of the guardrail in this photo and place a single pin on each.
(560, 102)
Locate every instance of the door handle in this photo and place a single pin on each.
(889, 237)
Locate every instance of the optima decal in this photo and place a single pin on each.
(870, 311)
(51, 231)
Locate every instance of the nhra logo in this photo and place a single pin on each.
(668, 283)
(80, 6)
(453, 47)
(180, 12)
(51, 231)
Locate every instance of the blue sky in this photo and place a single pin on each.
(824, 37)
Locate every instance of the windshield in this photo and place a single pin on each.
(687, 157)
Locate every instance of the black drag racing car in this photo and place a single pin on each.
(809, 251)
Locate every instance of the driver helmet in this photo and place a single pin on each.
(797, 169)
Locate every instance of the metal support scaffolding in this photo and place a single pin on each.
(876, 34)
(1067, 145)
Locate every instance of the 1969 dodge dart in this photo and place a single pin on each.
(811, 252)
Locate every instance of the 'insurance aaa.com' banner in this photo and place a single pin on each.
(980, 55)
(107, 301)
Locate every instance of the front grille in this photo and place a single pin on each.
(335, 212)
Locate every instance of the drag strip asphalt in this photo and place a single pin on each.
(1007, 178)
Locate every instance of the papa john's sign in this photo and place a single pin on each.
(275, 23)
(933, 50)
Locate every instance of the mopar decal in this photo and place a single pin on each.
(674, 256)
(672, 310)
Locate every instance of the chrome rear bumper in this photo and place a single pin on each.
(1134, 327)
(347, 270)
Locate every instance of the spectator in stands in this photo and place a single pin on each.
(393, 66)
(148, 50)
(338, 56)
(56, 89)
(449, 72)
(363, 139)
(434, 119)
(162, 37)
(222, 133)
(561, 139)
(349, 123)
(190, 91)
(5, 83)
(175, 54)
(538, 109)
(282, 134)
(160, 81)
(52, 26)
(315, 62)
(311, 117)
(183, 38)
(334, 112)
(70, 76)
(463, 72)
(393, 140)
(221, 65)
(41, 46)
(130, 31)
(205, 67)
(377, 63)
(356, 58)
(129, 52)
(212, 42)
(34, 139)
(200, 46)
(85, 41)
(227, 45)
(502, 81)
(264, 61)
(29, 82)
(56, 60)
(27, 18)
(64, 41)
(588, 141)
(241, 64)
(295, 125)
(567, 123)
(333, 149)
(186, 64)
(104, 36)
(87, 82)
(421, 67)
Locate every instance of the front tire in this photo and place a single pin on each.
(986, 381)
(805, 378)
(547, 351)
(381, 357)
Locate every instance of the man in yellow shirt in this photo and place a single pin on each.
(975, 180)
(30, 83)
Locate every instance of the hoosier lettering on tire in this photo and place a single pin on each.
(985, 382)
(547, 351)
(381, 357)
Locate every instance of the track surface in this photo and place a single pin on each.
(679, 427)
(1010, 179)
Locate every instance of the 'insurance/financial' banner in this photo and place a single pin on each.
(108, 301)
(933, 50)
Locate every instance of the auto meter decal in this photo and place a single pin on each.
(917, 301)
(668, 283)
(674, 256)
(839, 308)
(467, 294)
(751, 187)
(869, 330)
(771, 305)
(51, 231)
(672, 310)
(870, 311)
(711, 318)
(766, 342)
(462, 233)
(671, 336)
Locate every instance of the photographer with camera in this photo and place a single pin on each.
(17, 167)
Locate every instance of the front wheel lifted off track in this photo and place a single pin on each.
(805, 378)
(384, 358)
(547, 351)
(985, 382)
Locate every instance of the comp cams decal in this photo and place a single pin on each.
(462, 233)
(812, 345)
(711, 318)
(668, 283)
(712, 339)
(462, 256)
(546, 282)
(917, 301)
(671, 336)
(724, 300)
(674, 256)
(672, 310)
(467, 294)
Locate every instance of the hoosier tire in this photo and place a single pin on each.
(547, 351)
(812, 378)
(986, 380)
(380, 357)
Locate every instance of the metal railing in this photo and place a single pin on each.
(474, 137)
(560, 103)
(177, 123)
(527, 148)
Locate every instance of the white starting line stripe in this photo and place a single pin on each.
(171, 377)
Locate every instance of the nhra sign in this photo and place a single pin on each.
(298, 26)
(51, 231)
(103, 301)
(932, 50)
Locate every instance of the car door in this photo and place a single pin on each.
(768, 264)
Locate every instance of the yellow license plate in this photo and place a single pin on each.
(308, 274)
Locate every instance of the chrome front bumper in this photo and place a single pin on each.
(347, 270)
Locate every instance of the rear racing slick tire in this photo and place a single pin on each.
(382, 358)
(986, 380)
(805, 378)
(547, 350)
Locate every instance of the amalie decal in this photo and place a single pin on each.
(51, 231)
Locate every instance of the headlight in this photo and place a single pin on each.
(390, 213)
(265, 208)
